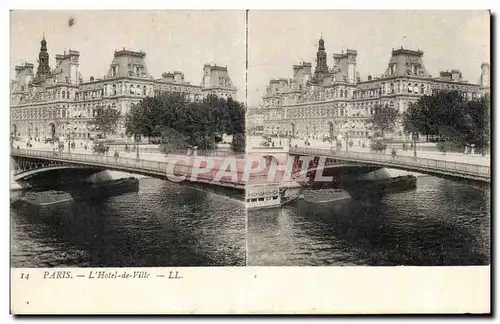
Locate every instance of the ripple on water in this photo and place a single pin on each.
(165, 224)
(439, 223)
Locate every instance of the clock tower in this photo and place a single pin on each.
(43, 71)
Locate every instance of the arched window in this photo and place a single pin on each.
(144, 90)
(138, 91)
(422, 89)
(114, 89)
(392, 87)
(341, 93)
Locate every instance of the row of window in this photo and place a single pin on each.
(138, 70)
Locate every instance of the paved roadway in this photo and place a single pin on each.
(478, 159)
(81, 150)
(256, 140)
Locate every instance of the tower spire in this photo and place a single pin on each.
(321, 70)
(43, 71)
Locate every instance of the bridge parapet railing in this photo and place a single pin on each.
(179, 166)
(473, 169)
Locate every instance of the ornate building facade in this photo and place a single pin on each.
(58, 102)
(334, 102)
(254, 121)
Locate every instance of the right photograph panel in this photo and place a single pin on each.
(373, 131)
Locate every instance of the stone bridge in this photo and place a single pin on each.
(474, 174)
(28, 164)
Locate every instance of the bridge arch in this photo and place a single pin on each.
(339, 171)
(472, 174)
(27, 174)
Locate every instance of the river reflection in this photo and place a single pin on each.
(439, 223)
(164, 224)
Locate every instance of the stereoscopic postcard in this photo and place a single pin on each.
(250, 162)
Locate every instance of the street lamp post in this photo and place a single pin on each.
(414, 138)
(347, 141)
(136, 145)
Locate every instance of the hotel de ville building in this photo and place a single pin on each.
(57, 102)
(333, 102)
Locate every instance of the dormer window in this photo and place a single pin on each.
(114, 70)
(392, 69)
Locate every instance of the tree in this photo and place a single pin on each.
(239, 143)
(451, 118)
(172, 141)
(106, 120)
(200, 124)
(384, 119)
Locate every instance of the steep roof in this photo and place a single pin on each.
(126, 62)
(405, 62)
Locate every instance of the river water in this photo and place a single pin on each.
(164, 224)
(438, 223)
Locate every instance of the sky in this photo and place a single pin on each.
(279, 39)
(172, 40)
(185, 40)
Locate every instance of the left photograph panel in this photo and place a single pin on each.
(122, 124)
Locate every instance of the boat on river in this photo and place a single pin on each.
(261, 196)
(289, 192)
(47, 198)
(389, 185)
(108, 188)
(326, 196)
